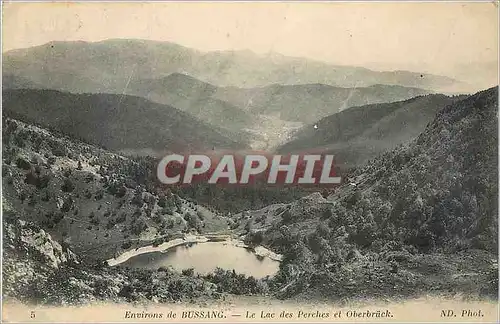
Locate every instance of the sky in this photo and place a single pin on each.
(441, 38)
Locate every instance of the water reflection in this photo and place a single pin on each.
(205, 257)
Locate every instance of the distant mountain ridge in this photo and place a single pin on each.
(194, 97)
(116, 122)
(176, 76)
(223, 106)
(309, 102)
(113, 62)
(236, 109)
(10, 81)
(357, 134)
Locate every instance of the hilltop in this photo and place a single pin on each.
(68, 206)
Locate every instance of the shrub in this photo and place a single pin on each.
(162, 201)
(139, 226)
(255, 238)
(58, 217)
(89, 178)
(23, 164)
(51, 160)
(193, 221)
(110, 224)
(121, 218)
(188, 272)
(121, 192)
(58, 149)
(99, 195)
(45, 196)
(68, 185)
(157, 242)
(67, 205)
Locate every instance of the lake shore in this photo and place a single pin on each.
(190, 238)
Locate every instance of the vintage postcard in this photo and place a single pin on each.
(257, 162)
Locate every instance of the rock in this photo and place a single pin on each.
(36, 242)
(59, 202)
(355, 255)
(315, 197)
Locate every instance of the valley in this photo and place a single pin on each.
(271, 132)
(100, 205)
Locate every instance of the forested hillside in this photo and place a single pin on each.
(358, 134)
(435, 199)
(116, 122)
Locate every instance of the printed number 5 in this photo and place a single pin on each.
(32, 315)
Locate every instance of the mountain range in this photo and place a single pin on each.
(194, 97)
(239, 107)
(172, 75)
(357, 134)
(309, 102)
(107, 66)
(119, 123)
(410, 221)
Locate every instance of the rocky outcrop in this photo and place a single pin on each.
(34, 242)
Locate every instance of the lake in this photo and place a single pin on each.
(205, 257)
